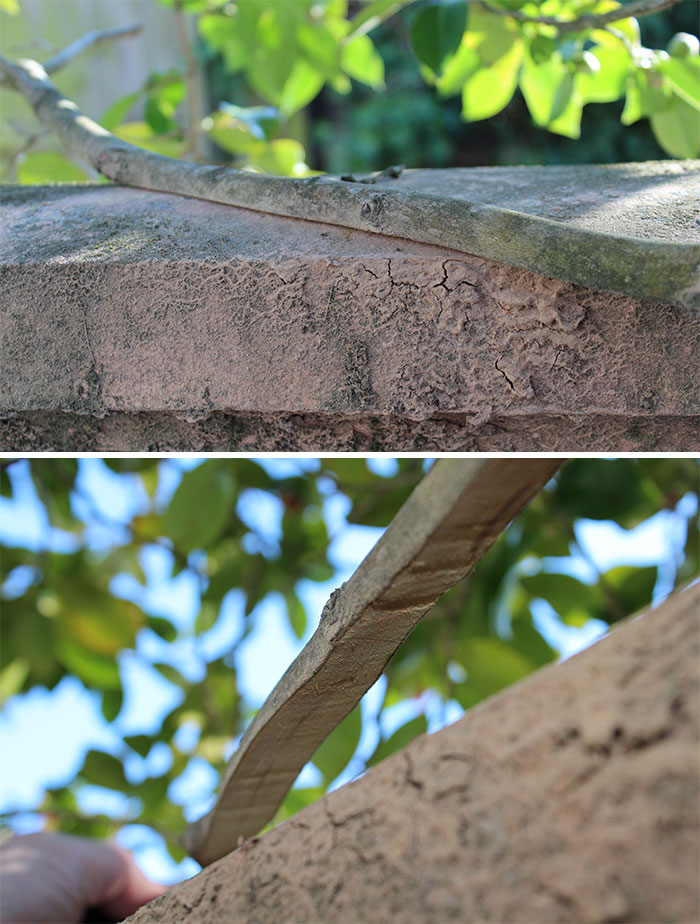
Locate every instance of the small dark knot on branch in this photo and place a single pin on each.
(372, 206)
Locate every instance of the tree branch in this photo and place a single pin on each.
(82, 44)
(589, 20)
(577, 254)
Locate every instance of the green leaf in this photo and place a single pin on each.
(334, 754)
(491, 665)
(275, 52)
(201, 506)
(47, 167)
(646, 93)
(177, 853)
(632, 587)
(457, 69)
(5, 483)
(361, 60)
(102, 769)
(10, 6)
(157, 118)
(295, 801)
(142, 744)
(233, 36)
(93, 669)
(436, 32)
(599, 489)
(119, 110)
(302, 85)
(690, 566)
(568, 121)
(112, 701)
(171, 673)
(539, 83)
(375, 507)
(607, 84)
(153, 790)
(162, 627)
(562, 96)
(574, 602)
(490, 89)
(282, 157)
(142, 135)
(319, 46)
(206, 618)
(12, 678)
(677, 128)
(542, 47)
(528, 641)
(100, 622)
(296, 613)
(402, 737)
(683, 75)
(492, 35)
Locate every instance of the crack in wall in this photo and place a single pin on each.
(510, 384)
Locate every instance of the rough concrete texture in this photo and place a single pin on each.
(143, 320)
(570, 797)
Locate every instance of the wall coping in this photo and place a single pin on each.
(135, 319)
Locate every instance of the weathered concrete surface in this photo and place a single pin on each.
(135, 320)
(570, 797)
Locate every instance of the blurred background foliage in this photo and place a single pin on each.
(66, 613)
(294, 87)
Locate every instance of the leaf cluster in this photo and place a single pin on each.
(477, 51)
(279, 55)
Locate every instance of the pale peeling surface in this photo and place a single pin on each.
(571, 797)
(138, 321)
(447, 524)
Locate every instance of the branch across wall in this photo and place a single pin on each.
(667, 271)
(76, 48)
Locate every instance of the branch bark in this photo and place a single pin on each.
(82, 44)
(444, 528)
(665, 270)
(635, 8)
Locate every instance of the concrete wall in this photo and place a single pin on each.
(145, 321)
(571, 796)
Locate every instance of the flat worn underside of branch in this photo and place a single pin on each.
(440, 533)
(570, 797)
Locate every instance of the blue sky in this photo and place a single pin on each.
(47, 734)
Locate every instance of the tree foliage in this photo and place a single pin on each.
(77, 611)
(282, 54)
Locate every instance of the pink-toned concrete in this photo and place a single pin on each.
(137, 320)
(570, 797)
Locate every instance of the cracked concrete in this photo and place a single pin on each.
(569, 797)
(135, 319)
